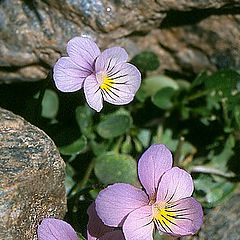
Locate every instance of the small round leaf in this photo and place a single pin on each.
(114, 125)
(112, 168)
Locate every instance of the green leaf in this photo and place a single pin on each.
(112, 168)
(114, 125)
(183, 84)
(219, 161)
(237, 116)
(81, 237)
(98, 148)
(162, 98)
(223, 81)
(126, 145)
(138, 145)
(74, 148)
(215, 191)
(84, 119)
(199, 79)
(144, 137)
(153, 84)
(69, 182)
(146, 61)
(166, 137)
(50, 104)
(141, 95)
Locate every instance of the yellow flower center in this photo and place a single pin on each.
(106, 83)
(163, 215)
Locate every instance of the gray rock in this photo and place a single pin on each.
(222, 222)
(34, 35)
(202, 46)
(32, 177)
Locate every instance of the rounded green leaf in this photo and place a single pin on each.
(112, 168)
(50, 104)
(146, 61)
(84, 119)
(114, 125)
(162, 98)
(74, 148)
(153, 84)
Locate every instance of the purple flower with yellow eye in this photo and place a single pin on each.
(165, 203)
(104, 76)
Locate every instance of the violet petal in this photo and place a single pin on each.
(83, 51)
(68, 76)
(93, 93)
(55, 229)
(139, 224)
(115, 202)
(156, 160)
(110, 57)
(174, 185)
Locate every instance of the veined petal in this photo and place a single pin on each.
(114, 235)
(139, 224)
(93, 93)
(95, 227)
(174, 185)
(115, 202)
(120, 86)
(154, 162)
(83, 51)
(109, 58)
(55, 229)
(68, 76)
(181, 218)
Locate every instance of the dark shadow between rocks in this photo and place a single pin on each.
(181, 18)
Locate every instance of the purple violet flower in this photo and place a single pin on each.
(96, 230)
(55, 229)
(104, 76)
(166, 203)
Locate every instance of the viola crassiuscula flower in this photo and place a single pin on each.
(104, 76)
(96, 230)
(55, 229)
(165, 203)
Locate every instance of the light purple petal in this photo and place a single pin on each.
(139, 224)
(114, 235)
(115, 202)
(111, 57)
(95, 227)
(93, 93)
(187, 218)
(174, 185)
(156, 160)
(124, 81)
(83, 51)
(68, 76)
(55, 229)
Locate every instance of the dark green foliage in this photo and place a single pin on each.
(146, 61)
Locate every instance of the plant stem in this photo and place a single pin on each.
(197, 95)
(178, 151)
(167, 237)
(88, 172)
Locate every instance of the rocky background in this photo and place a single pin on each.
(188, 35)
(32, 175)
